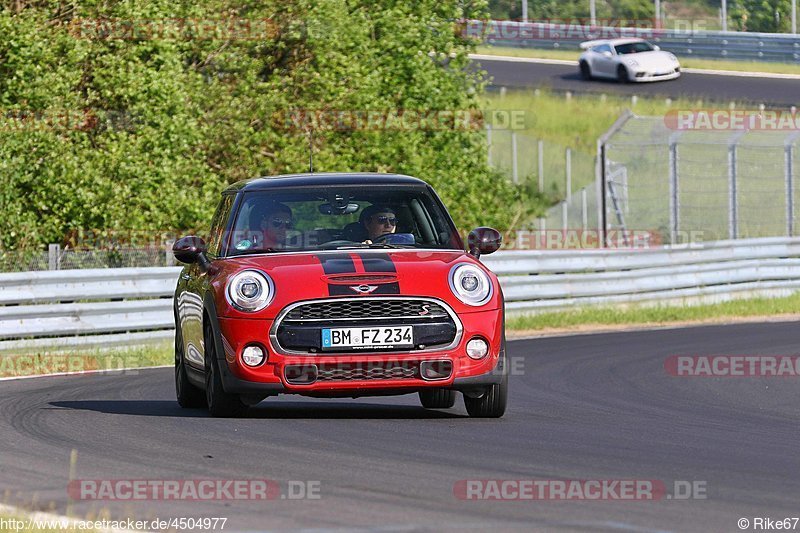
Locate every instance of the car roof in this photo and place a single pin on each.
(323, 179)
(612, 42)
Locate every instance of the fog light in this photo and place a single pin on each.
(253, 355)
(477, 348)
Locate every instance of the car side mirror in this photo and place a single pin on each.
(656, 48)
(607, 53)
(190, 250)
(484, 241)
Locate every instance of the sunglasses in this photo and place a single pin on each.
(392, 221)
(279, 223)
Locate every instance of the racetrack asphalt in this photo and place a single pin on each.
(772, 92)
(581, 407)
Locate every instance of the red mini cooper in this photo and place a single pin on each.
(338, 285)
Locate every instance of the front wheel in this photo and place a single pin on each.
(586, 71)
(187, 394)
(220, 403)
(622, 74)
(493, 402)
(437, 398)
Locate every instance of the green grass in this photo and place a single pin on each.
(607, 316)
(686, 62)
(31, 364)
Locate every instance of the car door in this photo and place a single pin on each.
(190, 301)
(605, 61)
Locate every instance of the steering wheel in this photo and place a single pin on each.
(381, 238)
(335, 244)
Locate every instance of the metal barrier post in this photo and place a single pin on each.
(514, 169)
(789, 176)
(584, 210)
(54, 256)
(488, 144)
(540, 150)
(674, 213)
(733, 219)
(568, 156)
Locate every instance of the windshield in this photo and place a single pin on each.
(303, 219)
(633, 48)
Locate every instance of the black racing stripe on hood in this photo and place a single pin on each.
(337, 263)
(378, 263)
(346, 290)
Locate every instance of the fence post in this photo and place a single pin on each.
(789, 175)
(564, 216)
(540, 152)
(733, 221)
(584, 210)
(674, 213)
(488, 144)
(514, 169)
(169, 257)
(569, 174)
(54, 257)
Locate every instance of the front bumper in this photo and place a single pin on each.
(642, 77)
(360, 374)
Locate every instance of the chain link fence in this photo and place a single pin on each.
(700, 184)
(56, 258)
(558, 171)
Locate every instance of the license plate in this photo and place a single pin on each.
(375, 337)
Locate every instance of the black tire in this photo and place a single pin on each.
(586, 71)
(493, 402)
(220, 404)
(437, 398)
(622, 74)
(188, 395)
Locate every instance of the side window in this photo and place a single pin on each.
(602, 48)
(218, 224)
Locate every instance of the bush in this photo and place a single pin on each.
(144, 133)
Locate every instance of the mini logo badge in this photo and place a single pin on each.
(364, 289)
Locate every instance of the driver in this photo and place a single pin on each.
(271, 223)
(378, 220)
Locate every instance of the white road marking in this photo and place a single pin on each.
(712, 72)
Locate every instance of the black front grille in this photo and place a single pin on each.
(367, 372)
(300, 330)
(366, 308)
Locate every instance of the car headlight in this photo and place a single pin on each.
(250, 291)
(470, 284)
(673, 58)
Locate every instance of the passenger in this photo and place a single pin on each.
(378, 220)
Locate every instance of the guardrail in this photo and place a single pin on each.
(90, 308)
(780, 47)
(555, 280)
(111, 307)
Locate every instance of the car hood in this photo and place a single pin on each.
(650, 60)
(350, 273)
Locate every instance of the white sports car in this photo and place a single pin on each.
(627, 60)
